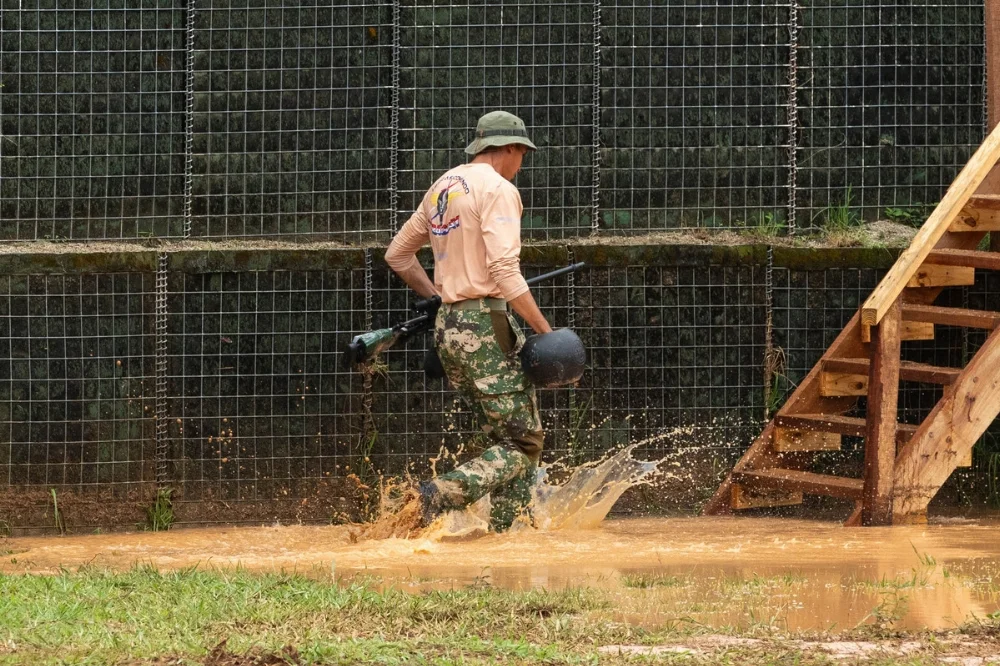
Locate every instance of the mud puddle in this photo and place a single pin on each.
(716, 571)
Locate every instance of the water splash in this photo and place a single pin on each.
(585, 499)
(581, 502)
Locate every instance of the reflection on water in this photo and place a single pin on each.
(717, 571)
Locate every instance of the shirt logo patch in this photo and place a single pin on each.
(451, 187)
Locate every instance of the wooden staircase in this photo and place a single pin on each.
(905, 465)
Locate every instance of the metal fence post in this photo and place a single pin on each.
(793, 112)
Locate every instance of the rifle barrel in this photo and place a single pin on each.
(556, 273)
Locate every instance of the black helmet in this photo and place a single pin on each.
(553, 359)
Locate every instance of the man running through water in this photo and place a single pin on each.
(471, 216)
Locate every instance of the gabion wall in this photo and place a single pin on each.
(225, 118)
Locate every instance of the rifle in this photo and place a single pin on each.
(364, 347)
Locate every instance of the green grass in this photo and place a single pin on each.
(649, 580)
(160, 516)
(914, 580)
(769, 224)
(97, 617)
(841, 217)
(912, 216)
(60, 525)
(926, 559)
(136, 617)
(780, 388)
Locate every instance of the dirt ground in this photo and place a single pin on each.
(712, 648)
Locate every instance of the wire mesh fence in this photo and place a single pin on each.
(76, 390)
(885, 125)
(291, 120)
(92, 120)
(230, 118)
(260, 421)
(695, 120)
(216, 372)
(257, 412)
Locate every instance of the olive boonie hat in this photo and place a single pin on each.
(499, 128)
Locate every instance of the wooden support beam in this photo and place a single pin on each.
(805, 398)
(914, 330)
(880, 434)
(982, 213)
(985, 201)
(887, 292)
(969, 258)
(854, 520)
(991, 184)
(808, 409)
(949, 431)
(951, 316)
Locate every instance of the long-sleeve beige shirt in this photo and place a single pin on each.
(472, 217)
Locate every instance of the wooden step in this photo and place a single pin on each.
(985, 201)
(930, 275)
(838, 423)
(908, 370)
(981, 213)
(742, 497)
(787, 440)
(975, 258)
(806, 482)
(951, 316)
(908, 330)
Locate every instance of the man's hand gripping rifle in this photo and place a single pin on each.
(367, 346)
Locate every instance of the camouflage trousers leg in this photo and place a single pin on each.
(478, 351)
(503, 472)
(512, 499)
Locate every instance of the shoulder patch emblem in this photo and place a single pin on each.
(448, 189)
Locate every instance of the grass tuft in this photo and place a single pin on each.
(769, 224)
(841, 217)
(160, 516)
(926, 559)
(912, 216)
(650, 580)
(60, 524)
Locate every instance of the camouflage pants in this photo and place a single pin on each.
(478, 350)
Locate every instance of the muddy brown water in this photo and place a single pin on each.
(716, 571)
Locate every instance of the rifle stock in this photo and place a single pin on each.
(366, 346)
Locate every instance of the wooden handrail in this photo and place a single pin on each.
(968, 181)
